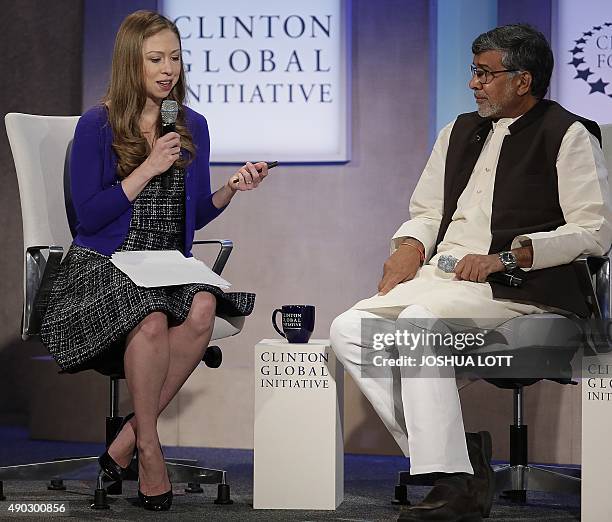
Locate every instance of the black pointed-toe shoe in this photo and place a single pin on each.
(113, 470)
(156, 502)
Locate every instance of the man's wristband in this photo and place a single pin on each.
(418, 249)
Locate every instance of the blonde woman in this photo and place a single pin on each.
(96, 316)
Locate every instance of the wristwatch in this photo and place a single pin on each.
(508, 259)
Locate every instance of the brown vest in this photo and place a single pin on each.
(525, 196)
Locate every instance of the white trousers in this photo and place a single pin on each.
(423, 414)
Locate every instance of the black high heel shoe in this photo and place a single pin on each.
(156, 502)
(113, 470)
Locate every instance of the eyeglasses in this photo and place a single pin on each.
(484, 76)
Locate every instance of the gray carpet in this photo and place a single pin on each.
(368, 489)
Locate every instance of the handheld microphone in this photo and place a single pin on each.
(447, 264)
(169, 112)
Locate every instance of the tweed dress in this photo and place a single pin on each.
(93, 305)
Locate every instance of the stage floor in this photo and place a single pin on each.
(369, 484)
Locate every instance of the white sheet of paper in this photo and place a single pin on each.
(152, 268)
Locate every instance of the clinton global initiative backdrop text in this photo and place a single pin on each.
(270, 76)
(582, 79)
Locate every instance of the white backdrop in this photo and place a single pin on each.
(270, 76)
(582, 43)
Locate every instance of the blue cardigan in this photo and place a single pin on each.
(102, 209)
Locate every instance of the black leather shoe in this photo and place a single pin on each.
(156, 502)
(450, 500)
(113, 470)
(479, 449)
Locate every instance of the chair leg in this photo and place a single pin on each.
(79, 468)
(519, 456)
(178, 472)
(113, 423)
(539, 479)
(515, 481)
(193, 487)
(100, 501)
(223, 493)
(518, 461)
(517, 497)
(519, 477)
(195, 475)
(56, 485)
(405, 479)
(400, 497)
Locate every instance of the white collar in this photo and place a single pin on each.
(504, 122)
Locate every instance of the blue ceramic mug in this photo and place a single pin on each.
(297, 322)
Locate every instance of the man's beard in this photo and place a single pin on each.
(487, 109)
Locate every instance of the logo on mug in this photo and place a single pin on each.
(297, 322)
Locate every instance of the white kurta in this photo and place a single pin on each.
(424, 414)
(584, 198)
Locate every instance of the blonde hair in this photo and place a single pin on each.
(126, 95)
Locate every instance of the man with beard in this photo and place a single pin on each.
(520, 183)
